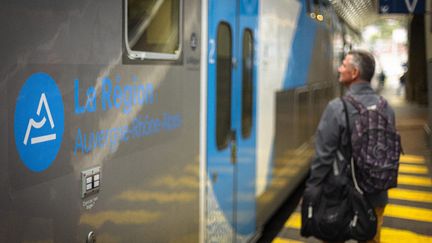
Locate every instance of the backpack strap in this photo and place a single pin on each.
(357, 105)
(351, 159)
(382, 104)
(347, 121)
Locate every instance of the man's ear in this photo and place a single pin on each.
(355, 73)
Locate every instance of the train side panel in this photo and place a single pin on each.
(92, 140)
(103, 133)
(297, 76)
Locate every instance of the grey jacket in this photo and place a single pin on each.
(331, 135)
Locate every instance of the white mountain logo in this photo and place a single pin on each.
(34, 124)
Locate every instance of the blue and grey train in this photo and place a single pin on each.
(158, 120)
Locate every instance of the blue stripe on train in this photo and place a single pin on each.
(298, 61)
(301, 50)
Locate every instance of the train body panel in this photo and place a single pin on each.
(158, 121)
(278, 25)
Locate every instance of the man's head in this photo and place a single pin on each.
(357, 66)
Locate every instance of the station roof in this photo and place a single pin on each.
(361, 13)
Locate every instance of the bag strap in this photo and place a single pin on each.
(359, 106)
(382, 103)
(353, 176)
(347, 120)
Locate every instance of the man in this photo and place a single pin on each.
(355, 72)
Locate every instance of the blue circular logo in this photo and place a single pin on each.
(39, 122)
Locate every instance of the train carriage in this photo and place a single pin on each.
(158, 120)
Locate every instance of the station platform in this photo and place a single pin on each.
(408, 216)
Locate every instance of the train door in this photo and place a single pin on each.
(245, 124)
(231, 120)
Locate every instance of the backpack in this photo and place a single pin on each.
(375, 147)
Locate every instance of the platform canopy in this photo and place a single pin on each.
(360, 13)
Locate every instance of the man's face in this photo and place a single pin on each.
(347, 72)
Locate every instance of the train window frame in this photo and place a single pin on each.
(149, 55)
(247, 95)
(223, 106)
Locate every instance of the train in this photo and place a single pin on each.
(159, 120)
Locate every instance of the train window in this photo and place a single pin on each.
(247, 95)
(152, 29)
(223, 85)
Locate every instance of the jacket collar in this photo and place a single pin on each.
(360, 88)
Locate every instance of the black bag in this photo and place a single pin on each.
(337, 210)
(326, 210)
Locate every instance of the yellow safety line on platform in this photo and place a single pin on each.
(389, 235)
(417, 169)
(410, 195)
(406, 212)
(412, 159)
(282, 240)
(294, 221)
(414, 180)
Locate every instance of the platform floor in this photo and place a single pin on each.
(408, 216)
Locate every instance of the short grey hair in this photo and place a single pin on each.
(365, 62)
